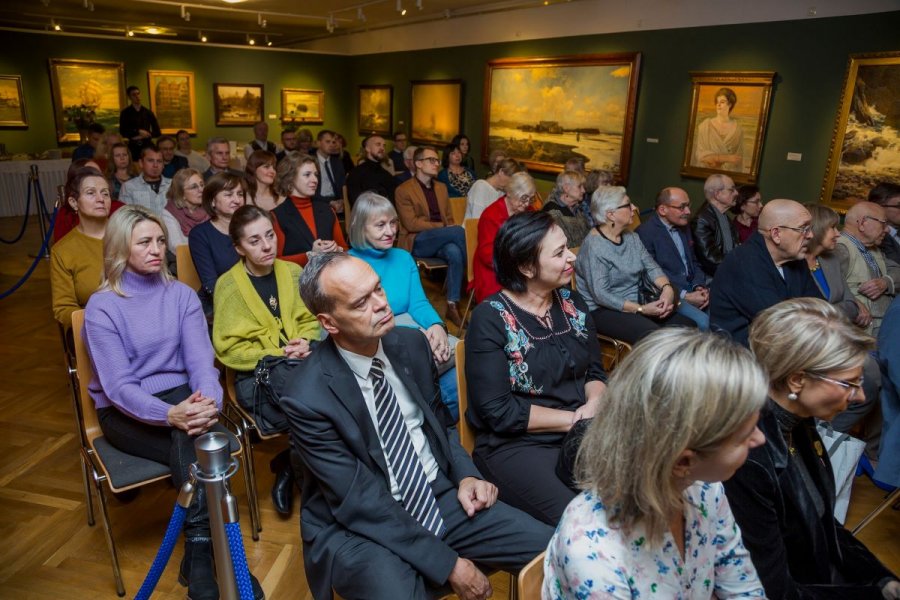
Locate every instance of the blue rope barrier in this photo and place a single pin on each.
(37, 259)
(24, 222)
(163, 555)
(239, 560)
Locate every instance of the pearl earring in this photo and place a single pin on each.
(793, 397)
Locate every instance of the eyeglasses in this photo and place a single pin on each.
(848, 385)
(626, 205)
(193, 187)
(871, 218)
(801, 230)
(524, 199)
(728, 189)
(680, 207)
(430, 159)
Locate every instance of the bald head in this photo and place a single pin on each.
(867, 222)
(786, 226)
(778, 213)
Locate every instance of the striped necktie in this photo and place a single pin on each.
(418, 497)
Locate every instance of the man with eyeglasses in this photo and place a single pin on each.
(714, 234)
(887, 196)
(370, 175)
(396, 154)
(768, 268)
(871, 279)
(668, 239)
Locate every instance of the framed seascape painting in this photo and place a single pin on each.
(544, 111)
(238, 104)
(727, 124)
(302, 106)
(865, 146)
(85, 91)
(376, 109)
(436, 111)
(172, 100)
(12, 102)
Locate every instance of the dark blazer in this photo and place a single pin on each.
(709, 239)
(659, 244)
(890, 248)
(747, 282)
(178, 163)
(346, 487)
(793, 548)
(337, 171)
(370, 175)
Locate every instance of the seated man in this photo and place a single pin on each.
(149, 188)
(392, 504)
(218, 151)
(172, 163)
(260, 140)
(370, 175)
(668, 240)
(887, 196)
(195, 159)
(95, 133)
(766, 269)
(714, 234)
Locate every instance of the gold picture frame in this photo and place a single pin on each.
(727, 139)
(12, 102)
(376, 110)
(302, 106)
(864, 136)
(238, 104)
(172, 100)
(84, 91)
(435, 111)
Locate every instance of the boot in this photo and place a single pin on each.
(197, 571)
(283, 488)
(452, 314)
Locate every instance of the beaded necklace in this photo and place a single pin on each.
(546, 320)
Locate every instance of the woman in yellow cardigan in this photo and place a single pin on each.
(261, 326)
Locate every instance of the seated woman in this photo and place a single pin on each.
(259, 318)
(373, 231)
(485, 192)
(519, 196)
(67, 216)
(120, 168)
(783, 496)
(76, 261)
(565, 207)
(653, 520)
(539, 333)
(184, 206)
(461, 141)
(211, 247)
(301, 225)
(154, 384)
(261, 173)
(454, 175)
(746, 211)
(611, 265)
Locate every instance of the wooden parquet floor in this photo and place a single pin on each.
(47, 550)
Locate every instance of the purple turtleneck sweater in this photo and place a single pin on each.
(153, 339)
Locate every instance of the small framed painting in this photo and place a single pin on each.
(172, 100)
(376, 109)
(436, 111)
(12, 102)
(302, 106)
(238, 104)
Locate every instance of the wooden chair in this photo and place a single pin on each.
(106, 463)
(458, 209)
(471, 228)
(346, 209)
(466, 433)
(612, 351)
(187, 272)
(531, 578)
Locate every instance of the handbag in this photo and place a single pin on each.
(649, 292)
(844, 452)
(268, 381)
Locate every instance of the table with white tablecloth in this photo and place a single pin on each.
(14, 177)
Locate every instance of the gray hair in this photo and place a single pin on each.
(806, 335)
(605, 198)
(567, 178)
(410, 152)
(216, 140)
(520, 184)
(597, 178)
(367, 206)
(310, 288)
(679, 389)
(713, 184)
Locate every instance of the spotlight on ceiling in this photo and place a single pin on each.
(56, 26)
(419, 4)
(360, 15)
(200, 36)
(329, 23)
(128, 31)
(268, 42)
(261, 21)
(185, 14)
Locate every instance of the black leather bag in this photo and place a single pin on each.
(261, 392)
(649, 292)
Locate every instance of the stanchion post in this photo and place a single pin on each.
(34, 183)
(214, 467)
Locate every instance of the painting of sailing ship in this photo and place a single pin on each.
(172, 100)
(238, 103)
(12, 102)
(86, 91)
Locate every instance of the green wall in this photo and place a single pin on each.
(809, 56)
(27, 55)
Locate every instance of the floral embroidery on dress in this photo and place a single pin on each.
(575, 316)
(517, 345)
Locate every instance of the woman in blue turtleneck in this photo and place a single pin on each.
(373, 231)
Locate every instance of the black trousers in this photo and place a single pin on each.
(632, 327)
(163, 444)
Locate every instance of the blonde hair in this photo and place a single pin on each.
(679, 389)
(806, 335)
(117, 245)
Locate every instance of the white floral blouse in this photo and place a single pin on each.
(588, 559)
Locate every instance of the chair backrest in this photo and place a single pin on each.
(471, 228)
(531, 578)
(187, 272)
(466, 433)
(458, 209)
(346, 199)
(89, 424)
(538, 203)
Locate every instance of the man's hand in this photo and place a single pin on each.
(873, 288)
(468, 582)
(891, 590)
(475, 495)
(699, 298)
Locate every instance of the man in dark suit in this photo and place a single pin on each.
(370, 175)
(766, 269)
(887, 195)
(331, 170)
(668, 239)
(392, 504)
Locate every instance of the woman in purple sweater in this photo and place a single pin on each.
(154, 385)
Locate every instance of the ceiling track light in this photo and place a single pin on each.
(185, 14)
(250, 40)
(268, 43)
(419, 4)
(330, 23)
(88, 4)
(128, 31)
(260, 21)
(360, 15)
(200, 36)
(56, 26)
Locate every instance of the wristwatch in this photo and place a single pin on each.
(640, 310)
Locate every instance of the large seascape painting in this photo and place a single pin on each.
(543, 111)
(85, 91)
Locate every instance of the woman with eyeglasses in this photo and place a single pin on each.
(783, 496)
(610, 269)
(746, 211)
(184, 206)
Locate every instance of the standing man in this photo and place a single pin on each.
(369, 175)
(172, 163)
(288, 142)
(149, 188)
(195, 160)
(137, 124)
(392, 504)
(887, 196)
(396, 155)
(871, 279)
(260, 140)
(95, 133)
(219, 152)
(714, 234)
(331, 171)
(668, 239)
(766, 269)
